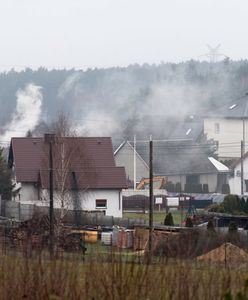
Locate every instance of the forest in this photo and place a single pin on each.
(120, 101)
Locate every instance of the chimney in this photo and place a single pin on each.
(49, 138)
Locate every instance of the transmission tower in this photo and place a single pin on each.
(214, 55)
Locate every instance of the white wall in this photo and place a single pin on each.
(125, 158)
(231, 131)
(27, 191)
(87, 199)
(235, 181)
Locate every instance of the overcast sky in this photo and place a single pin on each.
(103, 33)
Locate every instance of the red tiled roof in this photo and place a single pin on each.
(91, 161)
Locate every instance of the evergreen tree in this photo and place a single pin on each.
(189, 222)
(232, 227)
(169, 220)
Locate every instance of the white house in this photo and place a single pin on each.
(235, 179)
(84, 173)
(185, 162)
(228, 125)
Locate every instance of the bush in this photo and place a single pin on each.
(231, 204)
(169, 220)
(232, 227)
(189, 222)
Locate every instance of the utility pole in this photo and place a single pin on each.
(134, 162)
(150, 200)
(50, 139)
(242, 167)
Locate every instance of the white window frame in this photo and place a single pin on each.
(101, 207)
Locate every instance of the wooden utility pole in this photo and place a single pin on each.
(150, 200)
(242, 167)
(50, 139)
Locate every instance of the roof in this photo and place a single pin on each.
(192, 129)
(238, 161)
(237, 109)
(88, 162)
(180, 158)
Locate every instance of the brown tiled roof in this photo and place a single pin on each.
(87, 161)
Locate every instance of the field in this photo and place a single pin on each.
(157, 216)
(71, 278)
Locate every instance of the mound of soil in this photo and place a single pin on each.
(226, 253)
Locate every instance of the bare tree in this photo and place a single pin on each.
(72, 164)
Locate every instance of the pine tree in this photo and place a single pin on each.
(168, 221)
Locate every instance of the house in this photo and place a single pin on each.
(186, 163)
(190, 128)
(124, 156)
(235, 178)
(84, 173)
(228, 125)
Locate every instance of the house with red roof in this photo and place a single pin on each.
(85, 176)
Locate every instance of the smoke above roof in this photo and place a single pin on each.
(27, 112)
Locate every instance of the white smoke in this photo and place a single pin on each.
(98, 124)
(69, 84)
(27, 113)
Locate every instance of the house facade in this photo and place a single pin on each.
(235, 178)
(85, 175)
(228, 126)
(185, 163)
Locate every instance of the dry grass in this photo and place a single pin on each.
(71, 278)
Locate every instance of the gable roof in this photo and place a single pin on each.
(237, 109)
(131, 145)
(191, 129)
(238, 161)
(88, 160)
(180, 158)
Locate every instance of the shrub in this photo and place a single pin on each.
(232, 227)
(189, 222)
(169, 220)
(231, 203)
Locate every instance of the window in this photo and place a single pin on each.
(101, 203)
(217, 128)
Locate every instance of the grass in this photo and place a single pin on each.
(157, 216)
(40, 278)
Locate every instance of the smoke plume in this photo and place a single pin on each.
(27, 113)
